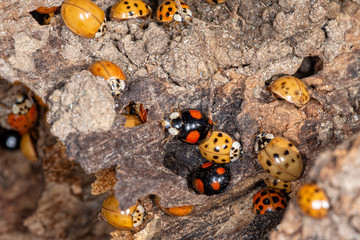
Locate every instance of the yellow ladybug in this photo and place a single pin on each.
(176, 211)
(290, 89)
(130, 218)
(313, 201)
(280, 158)
(112, 74)
(168, 12)
(219, 147)
(125, 9)
(216, 1)
(84, 18)
(278, 184)
(27, 147)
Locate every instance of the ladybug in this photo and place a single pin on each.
(211, 178)
(279, 157)
(126, 9)
(278, 184)
(268, 200)
(23, 115)
(168, 12)
(190, 126)
(219, 147)
(313, 201)
(84, 18)
(135, 114)
(10, 140)
(290, 89)
(132, 217)
(216, 1)
(176, 211)
(112, 74)
(27, 147)
(46, 10)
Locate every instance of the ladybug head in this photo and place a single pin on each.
(236, 151)
(261, 140)
(173, 123)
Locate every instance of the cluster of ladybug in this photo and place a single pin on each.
(23, 117)
(86, 19)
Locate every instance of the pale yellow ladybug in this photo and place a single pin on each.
(279, 157)
(219, 147)
(290, 89)
(112, 74)
(84, 18)
(126, 9)
(313, 201)
(126, 220)
(216, 1)
(283, 186)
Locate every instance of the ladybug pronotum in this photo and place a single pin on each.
(126, 9)
(126, 220)
(112, 73)
(176, 211)
(268, 200)
(211, 178)
(168, 12)
(219, 147)
(279, 157)
(190, 125)
(84, 18)
(313, 201)
(23, 114)
(291, 89)
(283, 186)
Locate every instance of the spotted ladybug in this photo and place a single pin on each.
(10, 140)
(84, 18)
(126, 9)
(211, 178)
(190, 126)
(280, 158)
(290, 89)
(23, 115)
(283, 186)
(219, 147)
(176, 211)
(268, 200)
(216, 1)
(132, 217)
(112, 74)
(313, 201)
(168, 12)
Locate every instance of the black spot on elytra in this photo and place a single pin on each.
(275, 199)
(226, 141)
(257, 211)
(131, 13)
(286, 152)
(128, 7)
(266, 201)
(141, 12)
(135, 4)
(276, 155)
(283, 202)
(126, 2)
(223, 160)
(215, 157)
(225, 147)
(170, 9)
(268, 163)
(261, 207)
(263, 193)
(290, 145)
(285, 185)
(219, 134)
(286, 165)
(206, 145)
(217, 149)
(167, 14)
(215, 140)
(167, 3)
(275, 182)
(257, 200)
(293, 160)
(278, 173)
(161, 8)
(271, 191)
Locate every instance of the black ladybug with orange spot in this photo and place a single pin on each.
(211, 178)
(189, 125)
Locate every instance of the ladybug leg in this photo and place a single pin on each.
(166, 139)
(101, 217)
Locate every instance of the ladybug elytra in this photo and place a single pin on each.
(268, 200)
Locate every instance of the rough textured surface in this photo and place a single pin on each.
(221, 64)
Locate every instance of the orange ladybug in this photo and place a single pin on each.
(168, 12)
(47, 10)
(176, 211)
(126, 9)
(313, 200)
(23, 115)
(268, 200)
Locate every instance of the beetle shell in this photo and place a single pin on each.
(168, 12)
(23, 115)
(112, 74)
(291, 89)
(176, 211)
(211, 178)
(283, 186)
(216, 1)
(313, 201)
(46, 10)
(126, 9)
(268, 200)
(10, 140)
(84, 18)
(27, 147)
(190, 126)
(130, 218)
(281, 159)
(220, 148)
